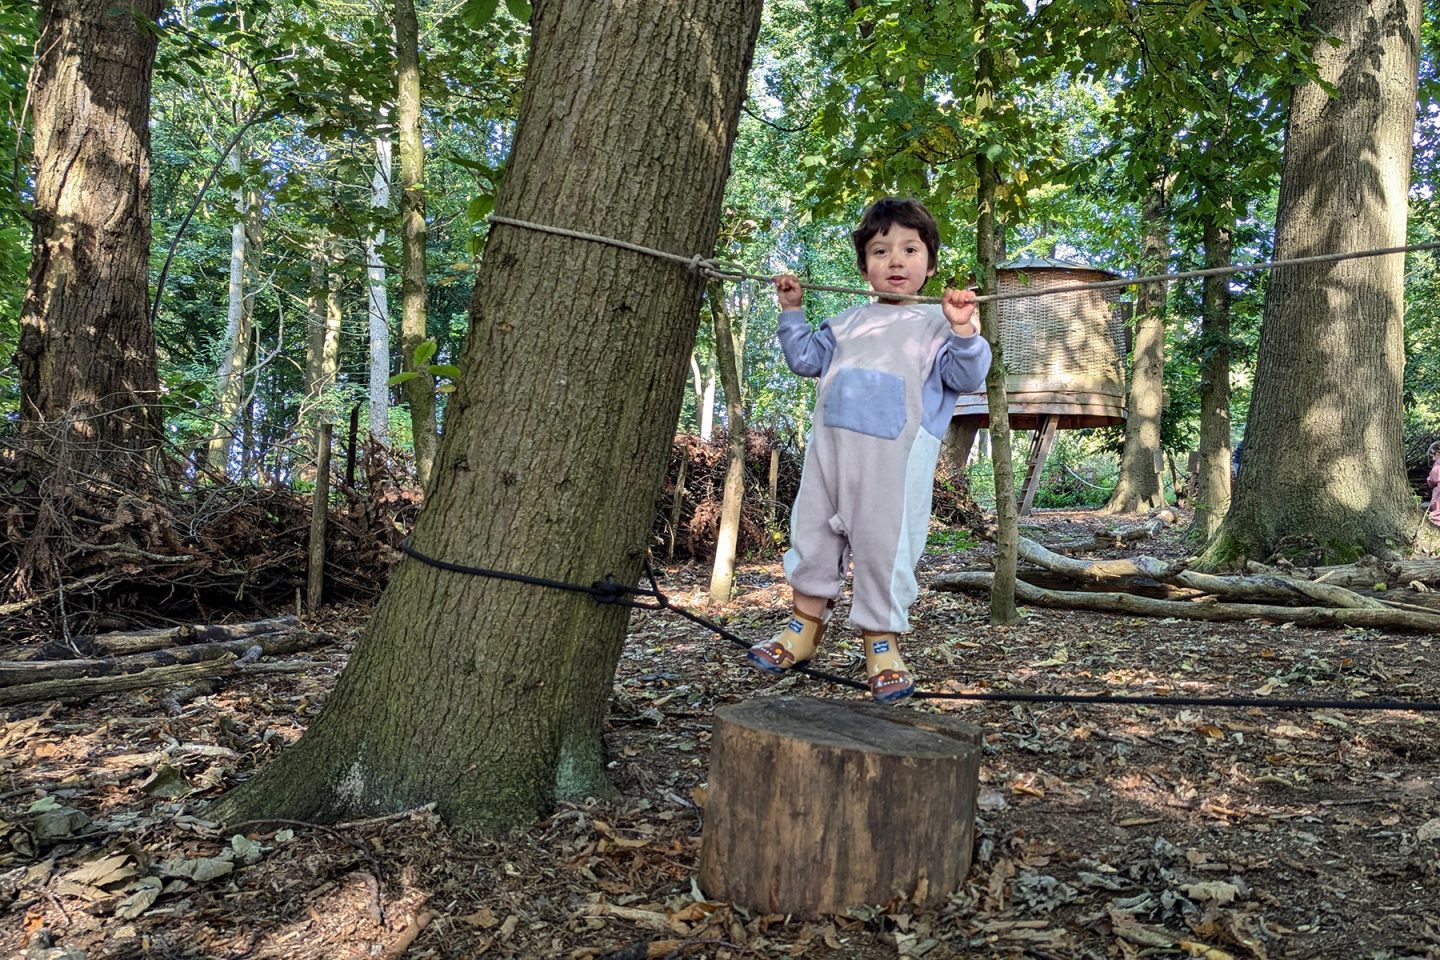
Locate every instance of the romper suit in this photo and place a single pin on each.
(890, 375)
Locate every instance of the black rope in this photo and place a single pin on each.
(608, 590)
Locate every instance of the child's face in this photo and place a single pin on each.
(897, 261)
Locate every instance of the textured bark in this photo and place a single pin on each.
(1138, 487)
(722, 571)
(419, 391)
(86, 348)
(1007, 517)
(1213, 488)
(483, 696)
(378, 299)
(1324, 469)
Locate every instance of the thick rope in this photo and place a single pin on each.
(723, 270)
(608, 591)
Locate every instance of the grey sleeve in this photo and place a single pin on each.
(806, 350)
(963, 363)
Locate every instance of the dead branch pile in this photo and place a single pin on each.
(697, 467)
(85, 551)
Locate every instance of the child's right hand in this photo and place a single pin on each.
(787, 288)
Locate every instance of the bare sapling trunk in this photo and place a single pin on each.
(483, 696)
(722, 571)
(1007, 514)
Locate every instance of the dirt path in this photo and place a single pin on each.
(1103, 831)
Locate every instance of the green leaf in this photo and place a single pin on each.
(519, 9)
(425, 351)
(445, 370)
(479, 208)
(446, 388)
(476, 13)
(400, 378)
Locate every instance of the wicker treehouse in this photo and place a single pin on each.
(1064, 357)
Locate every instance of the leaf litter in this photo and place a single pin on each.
(1101, 832)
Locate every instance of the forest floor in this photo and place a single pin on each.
(1102, 831)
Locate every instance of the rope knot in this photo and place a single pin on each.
(608, 590)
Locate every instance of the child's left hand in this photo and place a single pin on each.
(959, 307)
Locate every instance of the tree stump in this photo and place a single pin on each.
(819, 805)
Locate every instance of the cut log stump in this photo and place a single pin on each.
(819, 805)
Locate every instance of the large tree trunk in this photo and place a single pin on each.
(722, 571)
(378, 300)
(1213, 488)
(1007, 515)
(1324, 467)
(419, 390)
(86, 350)
(486, 696)
(1138, 487)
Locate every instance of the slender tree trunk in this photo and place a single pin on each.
(484, 696)
(1138, 485)
(316, 327)
(419, 391)
(378, 300)
(1324, 464)
(1213, 489)
(722, 572)
(706, 400)
(244, 236)
(1007, 516)
(86, 349)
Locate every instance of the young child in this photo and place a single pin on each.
(890, 372)
(1434, 481)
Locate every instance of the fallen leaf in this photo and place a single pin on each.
(1217, 890)
(147, 891)
(200, 869)
(105, 872)
(484, 918)
(1429, 830)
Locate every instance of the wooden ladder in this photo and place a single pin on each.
(1040, 444)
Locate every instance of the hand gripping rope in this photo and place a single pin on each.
(609, 591)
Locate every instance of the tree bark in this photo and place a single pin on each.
(420, 390)
(13, 672)
(484, 696)
(722, 571)
(378, 298)
(86, 351)
(1212, 498)
(1138, 487)
(1324, 462)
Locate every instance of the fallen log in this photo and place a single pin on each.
(13, 672)
(1265, 586)
(1121, 536)
(1368, 574)
(85, 688)
(140, 641)
(1383, 619)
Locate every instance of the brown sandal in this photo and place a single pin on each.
(890, 686)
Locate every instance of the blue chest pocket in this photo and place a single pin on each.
(871, 402)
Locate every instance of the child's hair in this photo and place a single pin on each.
(1434, 449)
(892, 212)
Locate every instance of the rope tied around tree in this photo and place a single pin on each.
(610, 592)
(716, 269)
